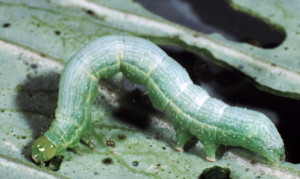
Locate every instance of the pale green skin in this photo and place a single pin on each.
(170, 89)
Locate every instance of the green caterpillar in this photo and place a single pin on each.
(192, 111)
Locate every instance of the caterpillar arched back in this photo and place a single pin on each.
(192, 111)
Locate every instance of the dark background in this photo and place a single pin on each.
(216, 16)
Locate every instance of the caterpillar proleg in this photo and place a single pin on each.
(192, 111)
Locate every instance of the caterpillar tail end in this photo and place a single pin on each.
(43, 150)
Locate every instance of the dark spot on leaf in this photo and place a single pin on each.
(57, 32)
(6, 25)
(121, 137)
(110, 142)
(215, 172)
(164, 148)
(286, 48)
(33, 66)
(96, 173)
(90, 12)
(107, 161)
(135, 163)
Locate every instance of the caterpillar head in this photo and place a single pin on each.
(43, 150)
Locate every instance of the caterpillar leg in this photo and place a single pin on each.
(182, 138)
(210, 150)
(207, 136)
(76, 150)
(88, 140)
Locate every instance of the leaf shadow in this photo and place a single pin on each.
(37, 99)
(134, 109)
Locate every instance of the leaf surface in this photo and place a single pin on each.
(36, 40)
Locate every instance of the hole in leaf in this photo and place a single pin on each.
(217, 16)
(215, 172)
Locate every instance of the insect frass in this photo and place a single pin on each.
(193, 112)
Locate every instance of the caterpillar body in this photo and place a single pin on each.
(192, 111)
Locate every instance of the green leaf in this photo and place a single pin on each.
(38, 37)
(61, 23)
(274, 70)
